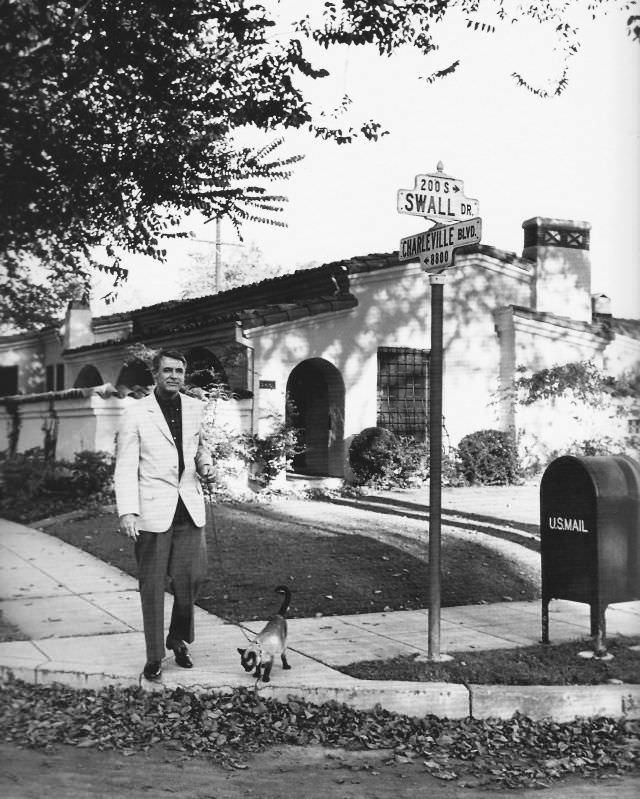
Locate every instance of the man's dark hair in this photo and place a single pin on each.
(175, 354)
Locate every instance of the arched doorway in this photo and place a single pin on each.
(315, 405)
(88, 377)
(135, 376)
(199, 360)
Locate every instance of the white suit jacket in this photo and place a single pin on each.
(146, 473)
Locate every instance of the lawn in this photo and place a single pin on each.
(252, 549)
(333, 568)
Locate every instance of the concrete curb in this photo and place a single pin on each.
(559, 703)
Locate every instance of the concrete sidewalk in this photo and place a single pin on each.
(84, 623)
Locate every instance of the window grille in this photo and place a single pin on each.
(402, 391)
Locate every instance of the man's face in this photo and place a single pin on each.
(170, 375)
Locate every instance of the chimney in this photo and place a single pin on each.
(77, 331)
(561, 281)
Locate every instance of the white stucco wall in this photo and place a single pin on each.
(82, 423)
(551, 427)
(394, 311)
(475, 289)
(28, 355)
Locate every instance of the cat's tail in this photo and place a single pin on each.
(286, 601)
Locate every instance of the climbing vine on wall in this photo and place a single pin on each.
(575, 408)
(583, 379)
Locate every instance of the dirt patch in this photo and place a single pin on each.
(277, 773)
(559, 664)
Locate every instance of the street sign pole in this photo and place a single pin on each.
(435, 463)
(441, 199)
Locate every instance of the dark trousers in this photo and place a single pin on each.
(180, 553)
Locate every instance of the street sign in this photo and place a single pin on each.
(437, 197)
(435, 247)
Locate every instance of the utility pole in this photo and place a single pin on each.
(218, 257)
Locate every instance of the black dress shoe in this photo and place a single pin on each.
(152, 670)
(181, 652)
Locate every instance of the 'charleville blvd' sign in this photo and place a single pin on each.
(435, 247)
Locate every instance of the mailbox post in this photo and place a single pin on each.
(590, 535)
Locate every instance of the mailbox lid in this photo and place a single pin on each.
(617, 482)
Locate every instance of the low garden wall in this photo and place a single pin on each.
(64, 423)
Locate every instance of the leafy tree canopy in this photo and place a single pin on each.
(118, 118)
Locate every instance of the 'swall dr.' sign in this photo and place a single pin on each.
(437, 197)
(435, 247)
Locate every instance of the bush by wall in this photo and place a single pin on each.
(34, 487)
(92, 472)
(489, 457)
(381, 459)
(373, 456)
(272, 454)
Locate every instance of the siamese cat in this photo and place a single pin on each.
(270, 642)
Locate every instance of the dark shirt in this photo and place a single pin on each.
(172, 411)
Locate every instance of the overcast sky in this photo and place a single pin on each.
(576, 156)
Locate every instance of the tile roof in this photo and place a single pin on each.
(104, 391)
(625, 327)
(319, 281)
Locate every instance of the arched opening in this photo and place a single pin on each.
(88, 377)
(200, 359)
(315, 405)
(134, 376)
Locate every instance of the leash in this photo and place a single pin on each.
(210, 521)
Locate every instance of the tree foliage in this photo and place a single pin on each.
(118, 118)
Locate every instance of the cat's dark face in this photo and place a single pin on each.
(249, 658)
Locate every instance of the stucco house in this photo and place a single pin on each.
(347, 342)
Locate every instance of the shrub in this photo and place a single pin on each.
(380, 458)
(413, 462)
(601, 445)
(489, 457)
(272, 453)
(88, 474)
(373, 455)
(92, 472)
(25, 472)
(34, 487)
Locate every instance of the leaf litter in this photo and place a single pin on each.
(518, 752)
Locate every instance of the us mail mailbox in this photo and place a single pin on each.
(589, 535)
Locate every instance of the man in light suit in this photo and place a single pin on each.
(160, 452)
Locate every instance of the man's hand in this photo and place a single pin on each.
(208, 473)
(129, 525)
